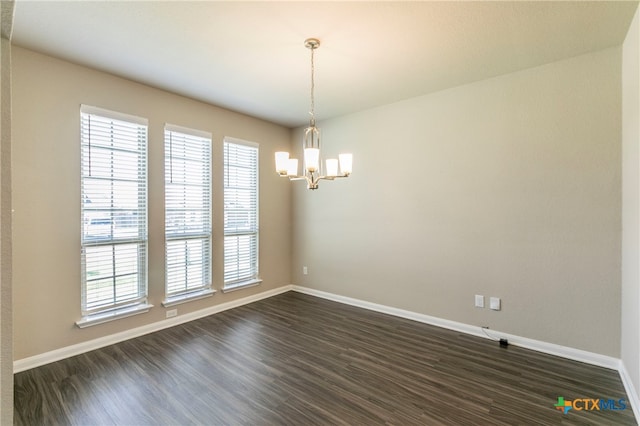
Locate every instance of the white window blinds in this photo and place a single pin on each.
(240, 212)
(113, 210)
(187, 211)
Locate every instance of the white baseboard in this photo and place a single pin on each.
(536, 345)
(632, 394)
(77, 349)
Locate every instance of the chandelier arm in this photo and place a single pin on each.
(310, 180)
(333, 177)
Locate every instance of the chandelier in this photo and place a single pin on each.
(312, 168)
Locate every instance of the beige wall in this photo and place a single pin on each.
(507, 187)
(46, 195)
(630, 350)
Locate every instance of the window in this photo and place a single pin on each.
(240, 214)
(114, 215)
(187, 158)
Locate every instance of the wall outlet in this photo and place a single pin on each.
(479, 301)
(494, 303)
(305, 271)
(172, 313)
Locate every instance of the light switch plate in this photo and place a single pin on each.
(479, 301)
(494, 303)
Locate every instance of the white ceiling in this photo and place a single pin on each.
(250, 56)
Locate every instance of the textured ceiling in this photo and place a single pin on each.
(250, 56)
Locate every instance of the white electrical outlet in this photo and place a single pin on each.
(172, 313)
(479, 301)
(305, 271)
(494, 303)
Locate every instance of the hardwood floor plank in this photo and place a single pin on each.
(294, 359)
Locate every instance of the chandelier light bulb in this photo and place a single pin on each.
(312, 159)
(292, 167)
(346, 163)
(282, 162)
(332, 167)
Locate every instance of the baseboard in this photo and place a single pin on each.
(632, 394)
(536, 345)
(77, 349)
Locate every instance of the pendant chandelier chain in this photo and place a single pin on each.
(313, 86)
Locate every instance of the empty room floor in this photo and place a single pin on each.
(295, 359)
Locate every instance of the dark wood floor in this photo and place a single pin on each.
(294, 359)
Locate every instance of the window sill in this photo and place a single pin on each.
(101, 318)
(241, 285)
(183, 298)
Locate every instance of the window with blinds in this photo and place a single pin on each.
(113, 211)
(240, 213)
(187, 156)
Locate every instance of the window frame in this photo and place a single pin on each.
(182, 234)
(254, 222)
(96, 238)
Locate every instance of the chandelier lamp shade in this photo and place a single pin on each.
(313, 170)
